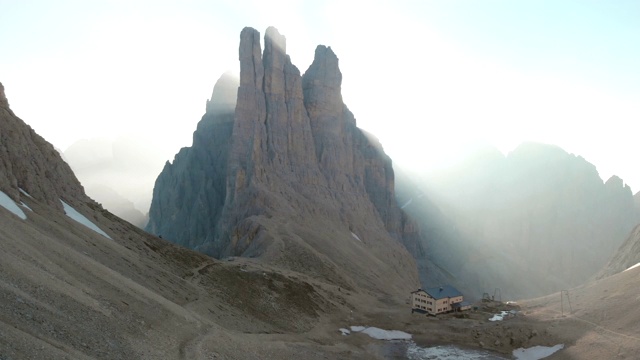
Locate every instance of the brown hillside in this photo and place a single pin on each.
(67, 292)
(603, 321)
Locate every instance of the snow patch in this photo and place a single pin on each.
(415, 352)
(406, 204)
(381, 334)
(499, 317)
(24, 192)
(25, 206)
(536, 352)
(633, 267)
(75, 215)
(356, 237)
(7, 203)
(344, 331)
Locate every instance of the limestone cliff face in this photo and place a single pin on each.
(289, 179)
(189, 194)
(30, 163)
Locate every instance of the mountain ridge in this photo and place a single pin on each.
(30, 163)
(290, 178)
(539, 214)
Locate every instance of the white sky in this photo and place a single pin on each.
(427, 77)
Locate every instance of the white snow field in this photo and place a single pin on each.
(415, 352)
(407, 203)
(24, 192)
(632, 267)
(75, 215)
(381, 334)
(25, 206)
(536, 352)
(499, 317)
(7, 203)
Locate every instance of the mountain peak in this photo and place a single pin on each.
(224, 95)
(325, 66)
(250, 58)
(290, 177)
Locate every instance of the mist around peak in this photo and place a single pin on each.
(530, 223)
(126, 165)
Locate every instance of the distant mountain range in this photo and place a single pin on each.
(530, 223)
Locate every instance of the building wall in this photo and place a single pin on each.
(419, 300)
(422, 301)
(442, 305)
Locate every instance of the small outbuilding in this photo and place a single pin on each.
(438, 300)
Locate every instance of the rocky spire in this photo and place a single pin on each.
(275, 57)
(250, 113)
(296, 167)
(272, 132)
(224, 95)
(322, 84)
(332, 124)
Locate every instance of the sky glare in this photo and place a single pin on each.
(428, 78)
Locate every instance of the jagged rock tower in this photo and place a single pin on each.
(288, 177)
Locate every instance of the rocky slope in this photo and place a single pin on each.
(289, 178)
(539, 215)
(30, 163)
(628, 254)
(597, 320)
(625, 257)
(70, 292)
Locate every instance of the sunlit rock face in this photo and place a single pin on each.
(30, 163)
(289, 178)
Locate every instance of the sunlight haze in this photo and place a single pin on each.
(428, 78)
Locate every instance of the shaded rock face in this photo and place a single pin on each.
(189, 194)
(530, 223)
(30, 163)
(289, 178)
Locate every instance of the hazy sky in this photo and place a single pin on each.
(427, 77)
